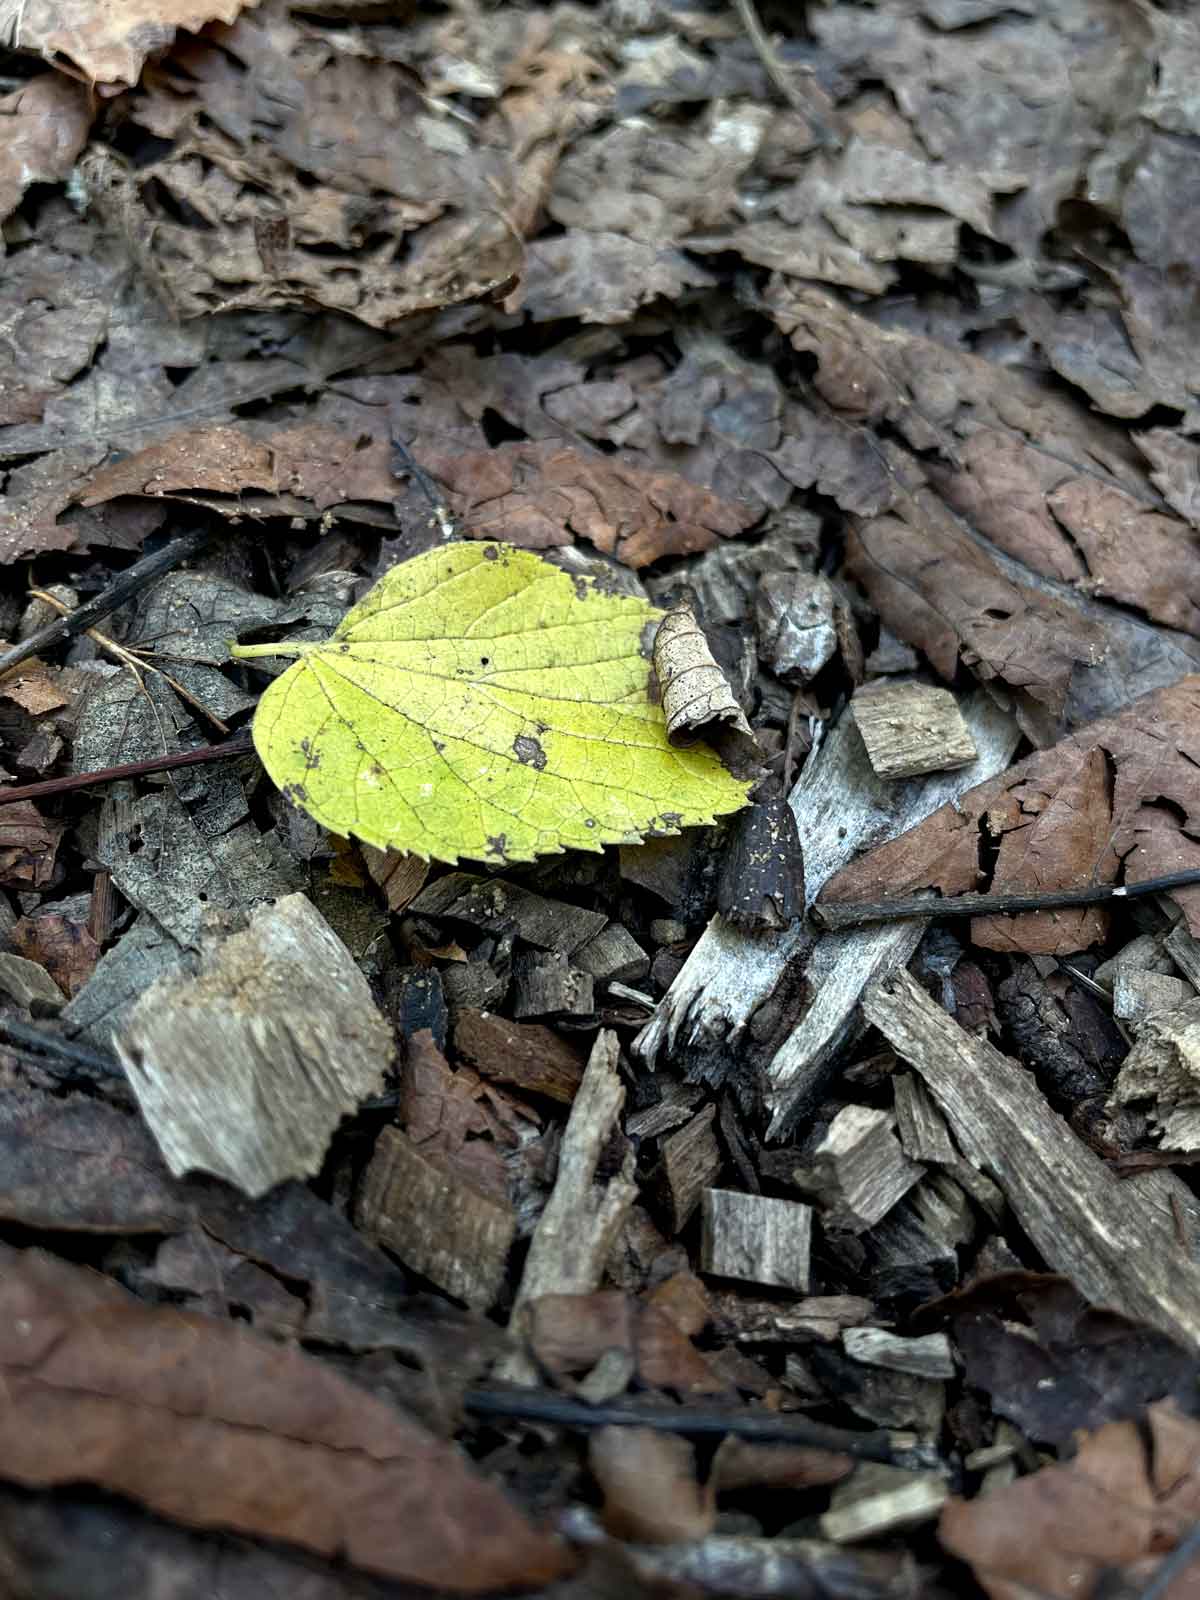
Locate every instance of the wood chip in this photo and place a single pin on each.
(698, 702)
(912, 728)
(613, 954)
(1118, 1245)
(532, 1058)
(437, 1224)
(1140, 995)
(689, 1162)
(245, 1070)
(756, 1239)
(495, 905)
(548, 986)
(927, 1357)
(859, 1170)
(879, 1500)
(400, 876)
(26, 981)
(1163, 1068)
(582, 1219)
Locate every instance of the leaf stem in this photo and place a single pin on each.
(285, 647)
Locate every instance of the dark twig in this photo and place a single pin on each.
(122, 588)
(836, 914)
(538, 1405)
(51, 1044)
(777, 73)
(444, 517)
(240, 746)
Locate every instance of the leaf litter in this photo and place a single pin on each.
(862, 347)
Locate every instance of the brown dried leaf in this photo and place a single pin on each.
(1122, 795)
(109, 46)
(28, 846)
(651, 1494)
(43, 127)
(935, 588)
(698, 702)
(65, 948)
(308, 463)
(602, 277)
(209, 1426)
(449, 1118)
(540, 494)
(1066, 1531)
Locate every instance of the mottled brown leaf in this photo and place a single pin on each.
(541, 494)
(43, 127)
(212, 1427)
(1121, 796)
(1066, 1531)
(110, 46)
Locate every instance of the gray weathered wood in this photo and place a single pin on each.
(879, 1500)
(612, 953)
(435, 1223)
(245, 1070)
(580, 1224)
(926, 1357)
(755, 1239)
(1116, 1240)
(912, 728)
(859, 1170)
(840, 807)
(548, 986)
(1163, 1070)
(921, 1126)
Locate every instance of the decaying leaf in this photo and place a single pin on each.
(108, 46)
(1064, 1532)
(1122, 795)
(482, 703)
(541, 494)
(698, 702)
(210, 1426)
(43, 127)
(650, 1489)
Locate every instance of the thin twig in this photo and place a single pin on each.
(122, 588)
(240, 746)
(134, 659)
(540, 1405)
(836, 914)
(775, 70)
(444, 517)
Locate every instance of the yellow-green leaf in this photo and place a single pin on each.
(481, 702)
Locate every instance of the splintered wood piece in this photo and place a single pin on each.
(859, 1170)
(496, 905)
(434, 1222)
(524, 1054)
(1119, 1246)
(911, 728)
(246, 1069)
(691, 1159)
(927, 1357)
(582, 1218)
(400, 876)
(730, 976)
(756, 1239)
(1137, 996)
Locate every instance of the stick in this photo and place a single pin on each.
(118, 591)
(836, 915)
(240, 746)
(540, 1406)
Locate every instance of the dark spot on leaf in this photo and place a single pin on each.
(589, 822)
(490, 553)
(438, 747)
(529, 752)
(312, 758)
(485, 661)
(295, 792)
(344, 648)
(497, 844)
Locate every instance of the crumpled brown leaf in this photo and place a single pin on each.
(43, 127)
(282, 474)
(210, 1426)
(1120, 796)
(651, 1493)
(1065, 1531)
(697, 699)
(109, 45)
(540, 494)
